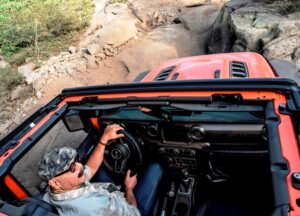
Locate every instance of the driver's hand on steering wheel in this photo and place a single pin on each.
(111, 133)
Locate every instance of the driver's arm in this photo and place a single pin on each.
(96, 158)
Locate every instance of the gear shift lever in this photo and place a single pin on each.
(184, 180)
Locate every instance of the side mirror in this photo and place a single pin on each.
(73, 121)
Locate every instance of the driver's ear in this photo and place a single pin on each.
(54, 184)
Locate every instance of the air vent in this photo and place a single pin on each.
(238, 69)
(164, 74)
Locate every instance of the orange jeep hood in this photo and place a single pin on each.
(211, 67)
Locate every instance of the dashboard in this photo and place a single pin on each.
(181, 145)
(182, 138)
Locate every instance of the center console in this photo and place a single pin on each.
(178, 158)
(183, 199)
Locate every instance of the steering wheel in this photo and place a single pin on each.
(122, 154)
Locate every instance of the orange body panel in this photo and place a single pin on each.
(15, 188)
(204, 67)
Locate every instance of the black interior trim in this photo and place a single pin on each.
(274, 84)
(24, 127)
(30, 141)
(141, 76)
(278, 165)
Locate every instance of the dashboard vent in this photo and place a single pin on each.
(164, 74)
(238, 69)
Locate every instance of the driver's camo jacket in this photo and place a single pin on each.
(92, 199)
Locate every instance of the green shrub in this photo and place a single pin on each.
(10, 78)
(117, 1)
(31, 23)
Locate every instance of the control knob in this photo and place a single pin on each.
(176, 152)
(161, 150)
(192, 153)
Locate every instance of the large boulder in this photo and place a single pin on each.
(257, 26)
(154, 13)
(281, 47)
(296, 57)
(199, 19)
(27, 71)
(251, 27)
(115, 25)
(117, 33)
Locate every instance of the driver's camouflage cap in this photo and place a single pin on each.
(56, 161)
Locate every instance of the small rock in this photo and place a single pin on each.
(81, 68)
(19, 92)
(28, 60)
(296, 54)
(93, 49)
(192, 3)
(27, 71)
(85, 50)
(38, 94)
(107, 46)
(100, 56)
(116, 8)
(64, 53)
(109, 50)
(91, 63)
(108, 64)
(3, 63)
(72, 49)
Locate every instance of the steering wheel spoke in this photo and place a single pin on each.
(119, 166)
(121, 141)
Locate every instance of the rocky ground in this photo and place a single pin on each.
(126, 39)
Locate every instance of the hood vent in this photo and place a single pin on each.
(238, 69)
(164, 74)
